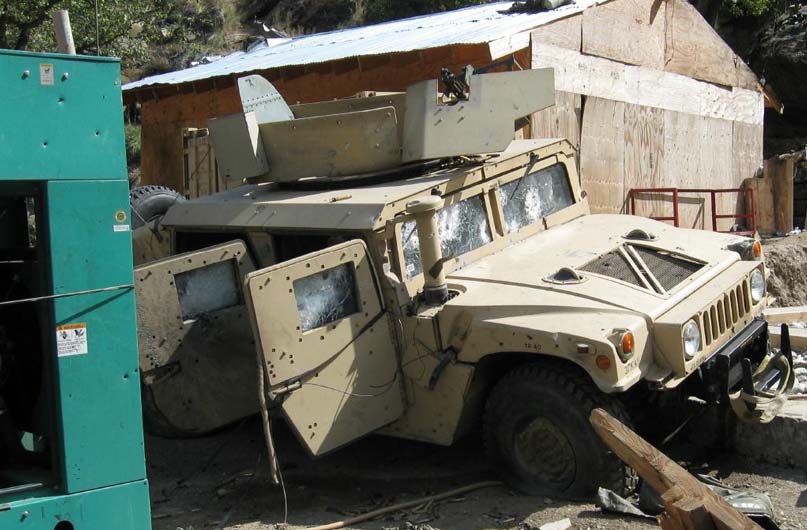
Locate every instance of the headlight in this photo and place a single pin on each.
(757, 286)
(692, 339)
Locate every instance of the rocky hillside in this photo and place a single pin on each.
(775, 46)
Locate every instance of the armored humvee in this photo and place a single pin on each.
(398, 264)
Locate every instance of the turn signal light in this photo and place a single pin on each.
(757, 249)
(603, 362)
(627, 342)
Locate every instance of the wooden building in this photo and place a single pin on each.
(646, 90)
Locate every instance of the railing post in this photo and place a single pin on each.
(675, 207)
(714, 210)
(753, 226)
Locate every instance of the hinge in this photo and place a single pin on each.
(288, 388)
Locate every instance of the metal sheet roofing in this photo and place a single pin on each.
(486, 23)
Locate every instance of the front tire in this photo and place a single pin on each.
(538, 436)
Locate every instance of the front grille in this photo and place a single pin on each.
(614, 265)
(669, 270)
(726, 312)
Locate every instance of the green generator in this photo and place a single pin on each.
(71, 438)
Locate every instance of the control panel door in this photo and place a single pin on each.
(327, 343)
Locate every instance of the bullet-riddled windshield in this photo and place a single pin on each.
(463, 227)
(535, 196)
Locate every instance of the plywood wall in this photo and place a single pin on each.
(672, 109)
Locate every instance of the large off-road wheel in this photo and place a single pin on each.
(151, 202)
(538, 436)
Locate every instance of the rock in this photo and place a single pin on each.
(562, 524)
(783, 441)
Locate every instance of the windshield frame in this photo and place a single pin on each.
(489, 188)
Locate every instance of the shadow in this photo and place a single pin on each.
(222, 479)
(801, 502)
(654, 9)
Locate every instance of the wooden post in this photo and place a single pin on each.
(688, 500)
(779, 170)
(64, 33)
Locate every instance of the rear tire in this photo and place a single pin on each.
(538, 435)
(151, 202)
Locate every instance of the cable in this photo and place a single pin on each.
(64, 295)
(408, 504)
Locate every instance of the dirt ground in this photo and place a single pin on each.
(219, 482)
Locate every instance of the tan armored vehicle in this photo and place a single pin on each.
(389, 278)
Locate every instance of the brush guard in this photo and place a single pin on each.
(751, 377)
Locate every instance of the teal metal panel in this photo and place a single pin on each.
(98, 395)
(122, 507)
(61, 117)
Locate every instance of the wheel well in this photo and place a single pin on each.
(491, 368)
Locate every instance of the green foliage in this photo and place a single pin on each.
(132, 137)
(383, 10)
(128, 29)
(754, 8)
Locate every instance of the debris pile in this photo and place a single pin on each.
(800, 367)
(787, 260)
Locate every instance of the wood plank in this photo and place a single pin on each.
(644, 158)
(661, 473)
(785, 315)
(595, 76)
(780, 171)
(684, 139)
(763, 198)
(687, 511)
(563, 120)
(694, 49)
(714, 171)
(798, 337)
(627, 31)
(602, 154)
(747, 150)
(564, 33)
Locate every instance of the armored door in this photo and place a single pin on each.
(327, 343)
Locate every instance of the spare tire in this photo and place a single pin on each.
(151, 202)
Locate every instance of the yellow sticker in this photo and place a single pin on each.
(71, 339)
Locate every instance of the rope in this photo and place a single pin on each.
(64, 295)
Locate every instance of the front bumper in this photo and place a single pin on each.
(736, 365)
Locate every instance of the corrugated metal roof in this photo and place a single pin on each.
(485, 23)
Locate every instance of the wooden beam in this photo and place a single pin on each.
(785, 315)
(603, 78)
(685, 511)
(663, 474)
(779, 170)
(798, 337)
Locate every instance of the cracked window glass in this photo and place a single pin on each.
(326, 296)
(535, 196)
(207, 289)
(463, 227)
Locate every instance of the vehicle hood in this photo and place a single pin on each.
(520, 271)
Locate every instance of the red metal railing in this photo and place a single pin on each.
(751, 217)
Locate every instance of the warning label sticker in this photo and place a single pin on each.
(71, 339)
